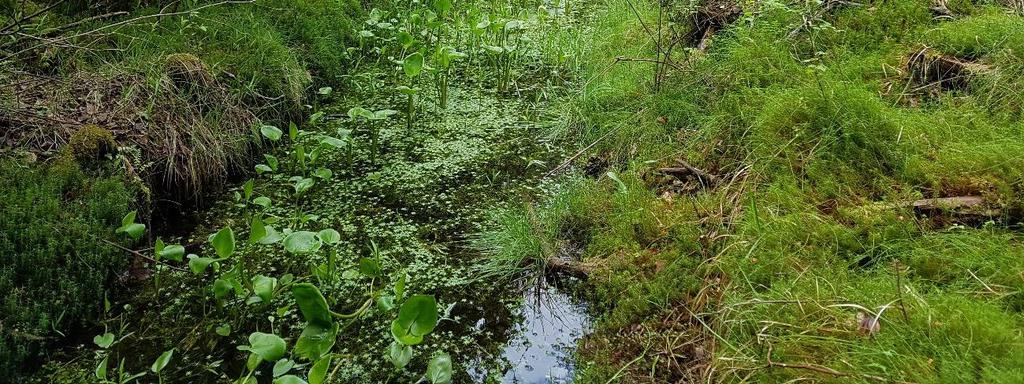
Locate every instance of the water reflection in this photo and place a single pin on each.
(540, 350)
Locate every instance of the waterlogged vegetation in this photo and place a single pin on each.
(449, 191)
(341, 259)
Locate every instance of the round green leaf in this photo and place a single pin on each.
(172, 252)
(134, 230)
(198, 264)
(262, 201)
(301, 242)
(282, 367)
(369, 267)
(267, 346)
(289, 379)
(418, 314)
(264, 286)
(104, 341)
(413, 64)
(316, 341)
(329, 236)
(224, 242)
(402, 335)
(332, 142)
(399, 354)
(439, 371)
(271, 132)
(406, 39)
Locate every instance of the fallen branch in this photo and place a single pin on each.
(706, 179)
(585, 149)
(578, 269)
(140, 254)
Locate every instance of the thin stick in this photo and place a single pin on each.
(585, 149)
(17, 23)
(140, 254)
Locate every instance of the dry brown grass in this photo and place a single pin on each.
(190, 131)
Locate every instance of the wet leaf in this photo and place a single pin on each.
(399, 354)
(301, 242)
(271, 132)
(267, 346)
(224, 242)
(439, 371)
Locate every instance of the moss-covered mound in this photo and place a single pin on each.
(184, 85)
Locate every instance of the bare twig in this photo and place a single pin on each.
(140, 254)
(579, 153)
(7, 30)
(706, 179)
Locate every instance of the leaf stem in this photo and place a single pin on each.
(357, 313)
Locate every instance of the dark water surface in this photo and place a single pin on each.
(541, 345)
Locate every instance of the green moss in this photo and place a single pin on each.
(56, 271)
(90, 145)
(826, 140)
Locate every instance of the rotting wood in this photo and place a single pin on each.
(928, 67)
(940, 10)
(958, 205)
(685, 169)
(580, 270)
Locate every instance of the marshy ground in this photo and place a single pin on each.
(512, 191)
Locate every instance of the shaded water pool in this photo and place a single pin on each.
(540, 346)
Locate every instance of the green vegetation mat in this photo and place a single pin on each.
(740, 191)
